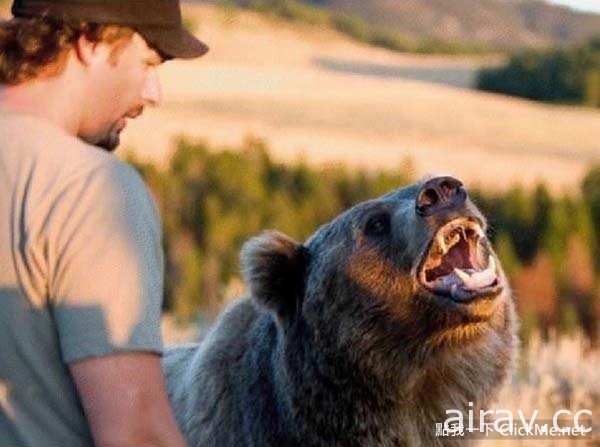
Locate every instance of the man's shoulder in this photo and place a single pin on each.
(64, 159)
(35, 136)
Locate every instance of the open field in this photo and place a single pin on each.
(313, 94)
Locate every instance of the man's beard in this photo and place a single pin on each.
(110, 141)
(111, 138)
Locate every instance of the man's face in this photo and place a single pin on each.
(122, 84)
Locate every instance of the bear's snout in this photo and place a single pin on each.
(440, 194)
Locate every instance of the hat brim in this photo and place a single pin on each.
(173, 42)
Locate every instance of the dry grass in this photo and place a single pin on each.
(560, 373)
(295, 87)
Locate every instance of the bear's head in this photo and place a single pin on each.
(398, 278)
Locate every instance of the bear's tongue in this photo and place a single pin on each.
(470, 279)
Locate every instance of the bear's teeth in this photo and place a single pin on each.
(479, 231)
(447, 241)
(442, 245)
(480, 278)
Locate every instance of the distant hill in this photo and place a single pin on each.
(496, 23)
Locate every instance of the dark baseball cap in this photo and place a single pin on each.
(158, 21)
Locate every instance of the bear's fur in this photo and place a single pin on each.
(338, 345)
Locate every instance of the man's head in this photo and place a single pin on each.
(115, 46)
(122, 81)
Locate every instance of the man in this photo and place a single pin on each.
(80, 251)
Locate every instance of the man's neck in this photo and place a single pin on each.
(56, 99)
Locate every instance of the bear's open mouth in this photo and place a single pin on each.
(459, 263)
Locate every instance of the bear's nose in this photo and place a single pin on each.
(440, 194)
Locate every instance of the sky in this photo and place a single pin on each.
(582, 5)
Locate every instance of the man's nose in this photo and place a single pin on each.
(152, 92)
(440, 194)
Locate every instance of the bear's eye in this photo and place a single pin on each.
(378, 225)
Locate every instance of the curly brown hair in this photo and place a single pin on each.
(38, 46)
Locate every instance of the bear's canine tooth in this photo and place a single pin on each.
(442, 243)
(454, 238)
(479, 230)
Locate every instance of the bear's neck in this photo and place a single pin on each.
(340, 400)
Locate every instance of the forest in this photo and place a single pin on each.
(559, 75)
(212, 199)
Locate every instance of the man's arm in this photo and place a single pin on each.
(125, 401)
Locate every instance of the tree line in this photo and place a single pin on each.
(563, 75)
(213, 199)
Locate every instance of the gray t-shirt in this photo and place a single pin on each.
(81, 275)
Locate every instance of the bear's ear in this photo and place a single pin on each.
(274, 266)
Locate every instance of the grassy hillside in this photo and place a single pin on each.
(502, 23)
(316, 95)
(360, 29)
(437, 26)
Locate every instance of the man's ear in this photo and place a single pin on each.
(274, 266)
(85, 50)
(88, 52)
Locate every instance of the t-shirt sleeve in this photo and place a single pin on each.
(106, 278)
